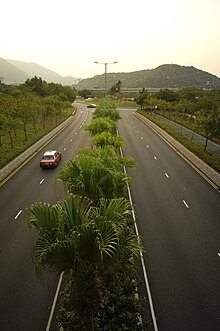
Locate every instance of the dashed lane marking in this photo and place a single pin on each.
(185, 204)
(18, 214)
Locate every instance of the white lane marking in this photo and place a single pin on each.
(155, 157)
(71, 139)
(166, 175)
(41, 181)
(64, 149)
(147, 284)
(137, 131)
(147, 146)
(18, 214)
(219, 254)
(75, 132)
(54, 302)
(142, 137)
(185, 204)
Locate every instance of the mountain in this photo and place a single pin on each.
(9, 74)
(164, 76)
(16, 72)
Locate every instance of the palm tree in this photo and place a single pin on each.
(101, 124)
(106, 138)
(95, 174)
(81, 240)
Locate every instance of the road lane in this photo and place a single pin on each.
(178, 219)
(25, 301)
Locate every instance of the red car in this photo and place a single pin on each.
(50, 159)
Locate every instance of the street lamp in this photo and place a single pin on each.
(105, 63)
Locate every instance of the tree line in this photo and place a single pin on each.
(30, 110)
(194, 108)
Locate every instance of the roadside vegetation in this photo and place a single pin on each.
(89, 236)
(195, 109)
(28, 112)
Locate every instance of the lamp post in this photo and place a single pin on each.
(105, 63)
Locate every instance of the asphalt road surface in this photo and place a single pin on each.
(179, 221)
(25, 301)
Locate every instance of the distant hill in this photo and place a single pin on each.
(16, 72)
(164, 76)
(9, 74)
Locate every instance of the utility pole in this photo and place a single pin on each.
(106, 64)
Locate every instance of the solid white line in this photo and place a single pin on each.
(142, 259)
(185, 204)
(18, 214)
(54, 302)
(41, 181)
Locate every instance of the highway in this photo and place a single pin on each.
(178, 216)
(26, 301)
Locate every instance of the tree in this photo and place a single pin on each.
(85, 93)
(210, 124)
(37, 85)
(116, 88)
(101, 124)
(106, 138)
(23, 110)
(190, 93)
(167, 95)
(141, 98)
(3, 120)
(89, 175)
(81, 240)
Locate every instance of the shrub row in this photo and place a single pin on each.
(121, 309)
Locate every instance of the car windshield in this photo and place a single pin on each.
(48, 157)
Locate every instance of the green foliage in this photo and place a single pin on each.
(83, 241)
(141, 98)
(101, 124)
(116, 88)
(98, 174)
(164, 76)
(121, 308)
(85, 93)
(88, 237)
(106, 138)
(95, 174)
(111, 113)
(167, 95)
(25, 117)
(43, 89)
(211, 159)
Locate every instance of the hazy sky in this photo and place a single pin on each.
(67, 36)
